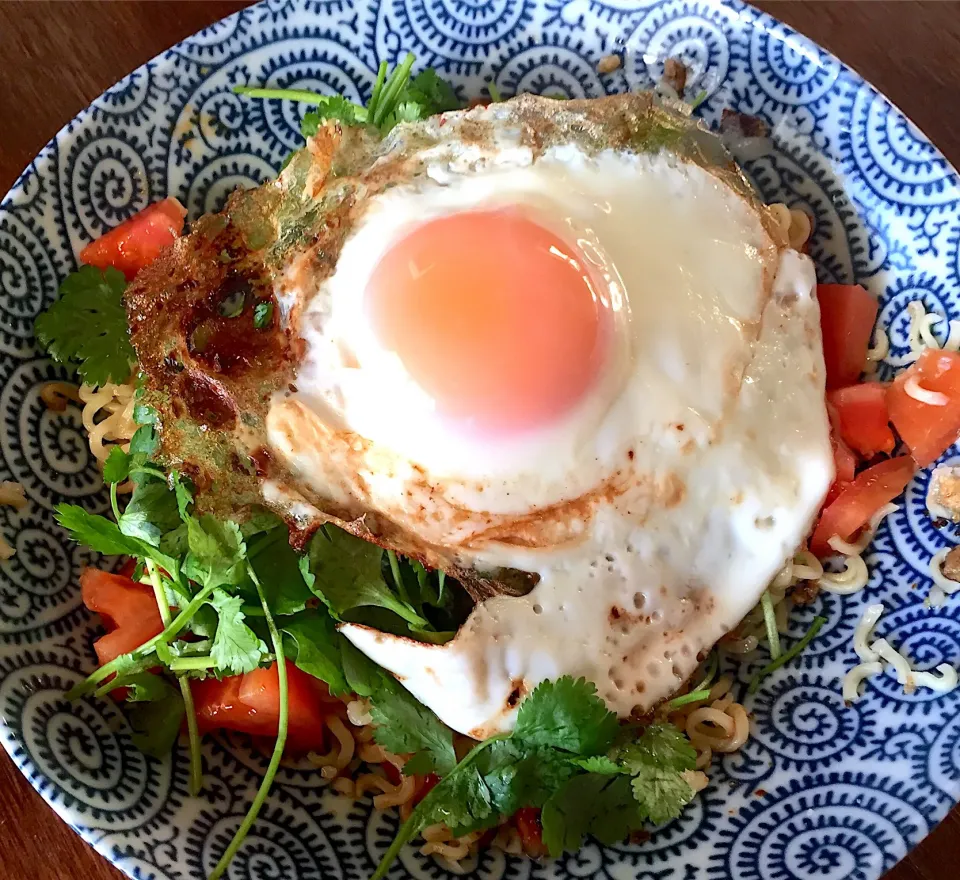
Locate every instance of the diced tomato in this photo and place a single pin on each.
(862, 418)
(251, 704)
(128, 568)
(136, 242)
(926, 428)
(861, 499)
(528, 824)
(392, 773)
(847, 315)
(425, 787)
(128, 609)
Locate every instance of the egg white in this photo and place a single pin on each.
(709, 417)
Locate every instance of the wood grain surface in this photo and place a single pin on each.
(55, 57)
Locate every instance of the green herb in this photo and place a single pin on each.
(155, 725)
(277, 566)
(566, 714)
(495, 95)
(278, 747)
(404, 725)
(100, 534)
(395, 98)
(263, 314)
(316, 648)
(591, 803)
(657, 761)
(345, 572)
(546, 763)
(770, 622)
(786, 657)
(236, 648)
(86, 327)
(686, 699)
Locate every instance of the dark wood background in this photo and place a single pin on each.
(56, 57)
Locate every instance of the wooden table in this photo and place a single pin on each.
(57, 57)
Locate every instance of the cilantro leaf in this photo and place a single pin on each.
(316, 648)
(332, 107)
(155, 725)
(661, 793)
(103, 535)
(657, 761)
(523, 777)
(217, 552)
(117, 466)
(150, 513)
(86, 327)
(277, 567)
(236, 648)
(431, 93)
(660, 745)
(346, 576)
(567, 714)
(145, 687)
(599, 764)
(262, 314)
(403, 724)
(589, 804)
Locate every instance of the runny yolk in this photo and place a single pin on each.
(493, 315)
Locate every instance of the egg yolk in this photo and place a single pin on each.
(494, 316)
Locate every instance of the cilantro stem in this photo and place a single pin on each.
(391, 91)
(684, 699)
(770, 622)
(184, 664)
(114, 503)
(785, 658)
(169, 633)
(397, 577)
(495, 95)
(123, 678)
(274, 764)
(377, 88)
(710, 673)
(195, 782)
(193, 731)
(152, 471)
(415, 822)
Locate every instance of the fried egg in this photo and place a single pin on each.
(596, 365)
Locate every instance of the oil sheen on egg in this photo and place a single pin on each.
(599, 367)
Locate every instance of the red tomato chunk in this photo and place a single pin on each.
(861, 499)
(847, 315)
(136, 242)
(862, 417)
(928, 429)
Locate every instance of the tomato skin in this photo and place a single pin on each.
(250, 704)
(862, 419)
(425, 787)
(128, 609)
(847, 315)
(136, 242)
(927, 430)
(856, 502)
(529, 826)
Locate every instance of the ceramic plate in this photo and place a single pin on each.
(820, 791)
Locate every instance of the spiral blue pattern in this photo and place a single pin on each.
(821, 790)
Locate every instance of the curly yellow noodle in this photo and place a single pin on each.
(56, 395)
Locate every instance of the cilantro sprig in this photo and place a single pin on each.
(561, 757)
(396, 97)
(86, 326)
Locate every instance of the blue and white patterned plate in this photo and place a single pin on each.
(820, 790)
